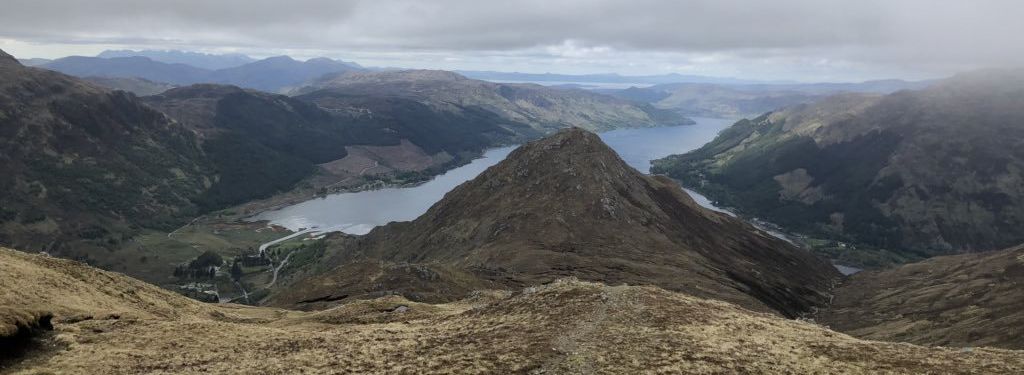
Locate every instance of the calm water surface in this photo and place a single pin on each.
(358, 213)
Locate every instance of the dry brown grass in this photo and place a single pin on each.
(961, 300)
(565, 327)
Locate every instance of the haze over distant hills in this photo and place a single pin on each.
(916, 173)
(692, 95)
(605, 78)
(272, 74)
(196, 59)
(749, 100)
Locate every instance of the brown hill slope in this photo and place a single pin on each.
(67, 288)
(564, 327)
(962, 300)
(567, 205)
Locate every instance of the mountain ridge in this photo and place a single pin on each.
(567, 205)
(272, 74)
(196, 59)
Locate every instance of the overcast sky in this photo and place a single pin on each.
(805, 40)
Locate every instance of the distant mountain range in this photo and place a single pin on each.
(272, 74)
(196, 59)
(34, 61)
(689, 95)
(605, 78)
(703, 96)
(749, 100)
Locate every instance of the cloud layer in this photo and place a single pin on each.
(744, 36)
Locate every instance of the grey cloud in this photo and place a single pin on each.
(888, 32)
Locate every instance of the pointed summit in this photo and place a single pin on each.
(567, 205)
(6, 58)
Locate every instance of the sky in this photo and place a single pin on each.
(800, 40)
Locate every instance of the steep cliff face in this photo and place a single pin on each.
(916, 172)
(567, 205)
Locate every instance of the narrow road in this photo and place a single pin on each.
(263, 247)
(183, 226)
(278, 269)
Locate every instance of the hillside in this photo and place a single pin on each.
(960, 300)
(265, 143)
(918, 173)
(68, 289)
(261, 143)
(88, 165)
(107, 323)
(541, 109)
(566, 205)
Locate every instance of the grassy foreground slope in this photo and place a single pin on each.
(565, 327)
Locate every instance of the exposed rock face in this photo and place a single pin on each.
(962, 300)
(916, 172)
(567, 205)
